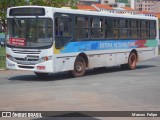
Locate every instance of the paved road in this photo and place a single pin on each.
(100, 90)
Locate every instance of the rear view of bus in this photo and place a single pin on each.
(30, 39)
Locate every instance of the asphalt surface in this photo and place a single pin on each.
(110, 89)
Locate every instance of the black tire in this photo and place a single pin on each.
(41, 75)
(79, 67)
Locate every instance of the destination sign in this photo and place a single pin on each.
(29, 11)
(17, 41)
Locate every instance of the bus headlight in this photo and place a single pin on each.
(46, 58)
(9, 57)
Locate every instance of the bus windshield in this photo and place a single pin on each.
(30, 32)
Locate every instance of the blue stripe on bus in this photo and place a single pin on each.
(98, 45)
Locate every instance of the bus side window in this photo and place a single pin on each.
(116, 28)
(134, 33)
(63, 31)
(96, 28)
(109, 28)
(81, 27)
(143, 29)
(152, 29)
(63, 27)
(58, 27)
(123, 29)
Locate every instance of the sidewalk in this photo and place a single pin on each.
(1, 69)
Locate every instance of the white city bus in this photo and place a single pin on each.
(49, 40)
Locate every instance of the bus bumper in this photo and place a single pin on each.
(44, 67)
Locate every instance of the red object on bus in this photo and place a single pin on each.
(17, 41)
(41, 67)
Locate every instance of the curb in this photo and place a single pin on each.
(2, 69)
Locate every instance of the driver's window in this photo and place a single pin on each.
(63, 31)
(63, 27)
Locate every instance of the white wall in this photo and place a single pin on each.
(109, 1)
(132, 4)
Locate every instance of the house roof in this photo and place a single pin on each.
(157, 15)
(84, 7)
(144, 12)
(128, 9)
(103, 6)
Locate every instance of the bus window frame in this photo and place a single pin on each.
(128, 27)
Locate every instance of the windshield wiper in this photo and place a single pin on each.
(17, 24)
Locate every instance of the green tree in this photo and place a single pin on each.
(54, 3)
(4, 4)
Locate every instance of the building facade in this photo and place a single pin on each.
(126, 2)
(148, 5)
(107, 1)
(121, 1)
(89, 2)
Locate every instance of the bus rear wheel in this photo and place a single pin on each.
(79, 67)
(132, 62)
(41, 75)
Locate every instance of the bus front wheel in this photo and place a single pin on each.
(79, 67)
(41, 75)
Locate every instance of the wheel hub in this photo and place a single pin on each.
(79, 67)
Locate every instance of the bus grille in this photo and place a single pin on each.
(28, 59)
(31, 57)
(20, 51)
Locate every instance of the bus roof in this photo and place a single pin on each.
(83, 12)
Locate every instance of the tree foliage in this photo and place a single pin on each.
(4, 4)
(54, 3)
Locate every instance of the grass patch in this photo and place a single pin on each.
(2, 58)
